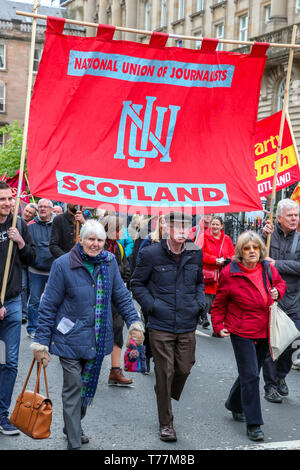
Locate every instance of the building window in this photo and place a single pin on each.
(198, 43)
(2, 97)
(179, 43)
(243, 28)
(2, 57)
(148, 15)
(37, 58)
(267, 14)
(180, 9)
(298, 6)
(199, 5)
(163, 14)
(220, 35)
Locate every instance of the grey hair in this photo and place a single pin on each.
(243, 239)
(92, 227)
(48, 200)
(286, 204)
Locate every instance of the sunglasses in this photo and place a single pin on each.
(248, 248)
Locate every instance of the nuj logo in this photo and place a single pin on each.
(132, 112)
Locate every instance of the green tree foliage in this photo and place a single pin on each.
(10, 154)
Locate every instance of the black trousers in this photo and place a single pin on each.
(274, 370)
(244, 395)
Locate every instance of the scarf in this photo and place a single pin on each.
(92, 368)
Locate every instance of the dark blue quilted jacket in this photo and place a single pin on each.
(71, 293)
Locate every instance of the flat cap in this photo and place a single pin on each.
(178, 217)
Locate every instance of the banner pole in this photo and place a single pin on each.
(23, 151)
(293, 137)
(282, 122)
(149, 33)
(27, 182)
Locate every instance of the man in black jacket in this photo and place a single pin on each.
(23, 253)
(63, 230)
(168, 284)
(285, 256)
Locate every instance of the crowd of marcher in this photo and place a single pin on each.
(73, 277)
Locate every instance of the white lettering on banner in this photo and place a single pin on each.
(141, 193)
(281, 181)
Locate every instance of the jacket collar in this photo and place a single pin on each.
(189, 247)
(75, 258)
(281, 232)
(235, 268)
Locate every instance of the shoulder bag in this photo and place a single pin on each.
(33, 412)
(212, 275)
(282, 330)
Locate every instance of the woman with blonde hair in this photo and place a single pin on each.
(241, 311)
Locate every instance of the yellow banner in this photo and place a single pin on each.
(265, 167)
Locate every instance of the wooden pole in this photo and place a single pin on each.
(293, 137)
(27, 182)
(282, 122)
(149, 33)
(23, 151)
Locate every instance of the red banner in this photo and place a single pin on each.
(265, 150)
(13, 183)
(144, 126)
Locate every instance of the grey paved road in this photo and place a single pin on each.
(126, 418)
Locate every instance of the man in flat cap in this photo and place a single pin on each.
(168, 284)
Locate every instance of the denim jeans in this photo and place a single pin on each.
(37, 283)
(10, 333)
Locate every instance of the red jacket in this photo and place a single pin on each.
(211, 251)
(239, 305)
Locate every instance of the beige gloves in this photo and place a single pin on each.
(40, 353)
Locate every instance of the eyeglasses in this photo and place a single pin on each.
(248, 248)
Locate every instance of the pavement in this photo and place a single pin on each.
(124, 419)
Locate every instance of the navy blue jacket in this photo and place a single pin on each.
(40, 233)
(71, 293)
(172, 294)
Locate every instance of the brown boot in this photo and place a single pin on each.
(116, 377)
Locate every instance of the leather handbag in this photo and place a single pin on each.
(33, 412)
(210, 275)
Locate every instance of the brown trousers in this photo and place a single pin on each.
(174, 356)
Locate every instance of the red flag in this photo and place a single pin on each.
(3, 177)
(13, 183)
(265, 151)
(144, 126)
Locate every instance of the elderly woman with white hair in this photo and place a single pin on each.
(75, 321)
(241, 311)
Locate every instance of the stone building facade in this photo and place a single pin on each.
(254, 20)
(15, 40)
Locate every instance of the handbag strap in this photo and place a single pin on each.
(37, 384)
(269, 273)
(221, 245)
(294, 246)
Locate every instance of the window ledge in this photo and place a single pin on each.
(196, 13)
(217, 5)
